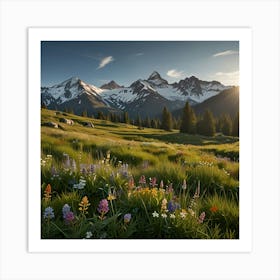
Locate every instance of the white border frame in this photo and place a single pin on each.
(243, 35)
(262, 16)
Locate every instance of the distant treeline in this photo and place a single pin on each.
(205, 124)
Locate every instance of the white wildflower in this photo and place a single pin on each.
(88, 234)
(155, 214)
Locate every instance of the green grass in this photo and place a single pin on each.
(211, 162)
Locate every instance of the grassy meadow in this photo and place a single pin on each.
(116, 181)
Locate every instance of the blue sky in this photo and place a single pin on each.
(124, 62)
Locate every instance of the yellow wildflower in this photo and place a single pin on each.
(111, 197)
(84, 204)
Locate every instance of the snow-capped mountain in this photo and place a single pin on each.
(157, 81)
(145, 97)
(74, 94)
(111, 85)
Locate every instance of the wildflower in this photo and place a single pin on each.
(184, 186)
(161, 185)
(214, 209)
(92, 168)
(103, 207)
(84, 204)
(153, 182)
(191, 212)
(81, 184)
(53, 171)
(69, 217)
(48, 213)
(48, 192)
(170, 188)
(183, 213)
(111, 197)
(124, 170)
(163, 215)
(155, 214)
(171, 206)
(172, 216)
(67, 214)
(163, 205)
(131, 183)
(142, 180)
(65, 210)
(201, 218)
(154, 192)
(88, 234)
(127, 218)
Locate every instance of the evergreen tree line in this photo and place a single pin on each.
(189, 122)
(204, 124)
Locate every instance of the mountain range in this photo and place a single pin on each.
(146, 97)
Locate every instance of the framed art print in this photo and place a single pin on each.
(139, 139)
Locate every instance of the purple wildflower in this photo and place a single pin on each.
(69, 217)
(153, 182)
(103, 206)
(172, 206)
(201, 218)
(65, 210)
(127, 218)
(142, 180)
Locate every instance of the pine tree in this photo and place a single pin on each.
(188, 124)
(84, 113)
(100, 115)
(148, 122)
(226, 127)
(206, 126)
(125, 117)
(139, 121)
(166, 120)
(43, 105)
(235, 125)
(153, 123)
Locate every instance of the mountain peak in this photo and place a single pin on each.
(111, 85)
(154, 75)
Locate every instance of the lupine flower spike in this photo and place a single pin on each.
(201, 218)
(142, 180)
(131, 183)
(48, 213)
(68, 215)
(48, 193)
(103, 208)
(164, 205)
(84, 204)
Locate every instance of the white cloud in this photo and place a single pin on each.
(104, 61)
(139, 54)
(228, 78)
(228, 52)
(173, 73)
